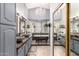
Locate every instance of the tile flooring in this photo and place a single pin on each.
(39, 51)
(60, 51)
(45, 51)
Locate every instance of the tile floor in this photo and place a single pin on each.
(60, 51)
(45, 51)
(39, 51)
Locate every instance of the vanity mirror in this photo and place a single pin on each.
(20, 24)
(75, 24)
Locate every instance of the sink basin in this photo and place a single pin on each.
(26, 35)
(19, 39)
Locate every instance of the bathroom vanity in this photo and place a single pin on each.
(24, 46)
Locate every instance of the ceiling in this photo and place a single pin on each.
(40, 7)
(38, 11)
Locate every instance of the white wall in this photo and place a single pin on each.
(21, 8)
(74, 9)
(39, 27)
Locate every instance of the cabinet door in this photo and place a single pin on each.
(72, 44)
(7, 40)
(76, 46)
(26, 47)
(61, 40)
(21, 51)
(8, 13)
(30, 42)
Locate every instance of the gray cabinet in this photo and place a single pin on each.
(21, 51)
(7, 29)
(8, 13)
(76, 46)
(26, 47)
(72, 44)
(30, 42)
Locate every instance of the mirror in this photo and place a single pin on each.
(74, 18)
(60, 31)
(20, 23)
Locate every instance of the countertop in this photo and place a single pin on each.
(19, 45)
(74, 36)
